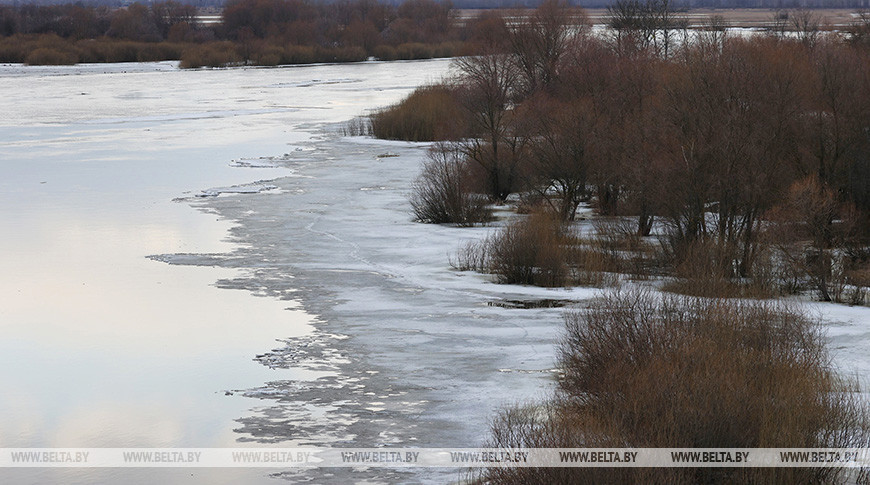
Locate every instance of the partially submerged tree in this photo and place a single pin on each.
(559, 157)
(640, 25)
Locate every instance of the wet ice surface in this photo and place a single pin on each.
(418, 354)
(102, 346)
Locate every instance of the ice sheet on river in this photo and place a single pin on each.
(416, 353)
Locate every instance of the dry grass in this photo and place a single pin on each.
(644, 371)
(618, 234)
(359, 126)
(51, 56)
(700, 272)
(617, 248)
(471, 256)
(539, 250)
(220, 54)
(298, 54)
(414, 50)
(703, 270)
(341, 54)
(531, 251)
(591, 266)
(48, 49)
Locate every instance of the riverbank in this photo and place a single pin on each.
(419, 354)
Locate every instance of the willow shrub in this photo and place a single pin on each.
(649, 370)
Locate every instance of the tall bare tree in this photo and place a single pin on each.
(487, 86)
(541, 40)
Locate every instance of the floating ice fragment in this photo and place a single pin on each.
(262, 162)
(238, 189)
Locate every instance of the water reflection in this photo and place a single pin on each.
(102, 347)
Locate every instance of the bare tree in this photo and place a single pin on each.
(835, 110)
(778, 23)
(859, 30)
(487, 87)
(559, 135)
(712, 35)
(666, 23)
(808, 238)
(806, 24)
(631, 26)
(541, 40)
(734, 113)
(643, 24)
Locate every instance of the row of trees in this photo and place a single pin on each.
(138, 22)
(363, 23)
(742, 154)
(508, 4)
(261, 31)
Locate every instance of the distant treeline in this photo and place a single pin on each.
(492, 4)
(249, 32)
(263, 32)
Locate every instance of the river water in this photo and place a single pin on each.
(101, 346)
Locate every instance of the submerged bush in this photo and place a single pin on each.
(440, 194)
(530, 251)
(429, 113)
(472, 256)
(650, 371)
(216, 54)
(538, 250)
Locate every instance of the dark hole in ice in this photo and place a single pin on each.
(526, 304)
